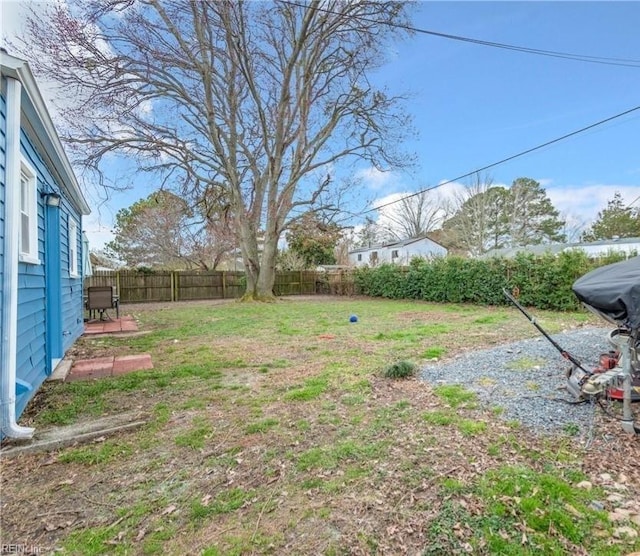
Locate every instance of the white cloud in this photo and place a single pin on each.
(451, 191)
(375, 179)
(440, 197)
(447, 192)
(13, 15)
(584, 202)
(391, 198)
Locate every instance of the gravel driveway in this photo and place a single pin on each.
(527, 378)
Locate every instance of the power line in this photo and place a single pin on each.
(522, 153)
(632, 202)
(550, 53)
(627, 62)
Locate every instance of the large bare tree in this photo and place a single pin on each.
(250, 101)
(478, 225)
(414, 216)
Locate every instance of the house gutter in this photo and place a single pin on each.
(9, 293)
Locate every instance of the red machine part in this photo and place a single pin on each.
(607, 362)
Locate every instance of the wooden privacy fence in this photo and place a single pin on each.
(140, 287)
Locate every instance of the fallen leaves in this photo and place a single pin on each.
(169, 509)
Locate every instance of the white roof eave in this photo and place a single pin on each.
(19, 69)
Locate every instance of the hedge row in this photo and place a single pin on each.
(543, 282)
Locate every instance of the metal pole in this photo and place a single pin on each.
(555, 344)
(627, 417)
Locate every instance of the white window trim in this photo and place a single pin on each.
(73, 248)
(30, 256)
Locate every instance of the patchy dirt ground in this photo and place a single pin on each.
(285, 438)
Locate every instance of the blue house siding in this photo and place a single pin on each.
(33, 354)
(72, 314)
(42, 314)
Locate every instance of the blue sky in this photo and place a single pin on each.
(474, 105)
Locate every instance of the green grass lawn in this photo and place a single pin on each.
(272, 429)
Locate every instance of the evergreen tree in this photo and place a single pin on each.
(532, 217)
(615, 220)
(495, 217)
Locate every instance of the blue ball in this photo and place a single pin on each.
(353, 318)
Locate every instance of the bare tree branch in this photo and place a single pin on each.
(242, 99)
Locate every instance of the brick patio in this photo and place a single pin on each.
(123, 324)
(100, 367)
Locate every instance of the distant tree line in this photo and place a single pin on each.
(484, 217)
(163, 231)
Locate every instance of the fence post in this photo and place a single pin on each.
(173, 286)
(177, 283)
(224, 286)
(118, 284)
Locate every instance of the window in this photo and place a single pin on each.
(28, 239)
(359, 256)
(73, 247)
(394, 254)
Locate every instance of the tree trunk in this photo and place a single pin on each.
(261, 279)
(260, 287)
(249, 247)
(267, 276)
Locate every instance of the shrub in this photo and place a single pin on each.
(544, 282)
(401, 369)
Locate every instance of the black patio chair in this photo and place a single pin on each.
(101, 299)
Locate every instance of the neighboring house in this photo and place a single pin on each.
(41, 253)
(398, 252)
(629, 246)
